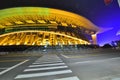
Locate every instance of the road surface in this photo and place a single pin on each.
(59, 64)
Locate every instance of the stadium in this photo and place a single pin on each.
(44, 26)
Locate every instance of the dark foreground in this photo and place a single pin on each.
(57, 64)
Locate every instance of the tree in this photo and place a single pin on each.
(107, 46)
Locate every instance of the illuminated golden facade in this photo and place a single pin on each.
(43, 26)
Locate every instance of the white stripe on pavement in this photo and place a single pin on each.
(46, 58)
(64, 56)
(46, 68)
(93, 61)
(69, 78)
(3, 68)
(47, 65)
(47, 62)
(37, 61)
(43, 74)
(13, 67)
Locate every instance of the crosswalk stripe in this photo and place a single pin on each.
(47, 65)
(69, 78)
(46, 58)
(43, 74)
(47, 62)
(46, 68)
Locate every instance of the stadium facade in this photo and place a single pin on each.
(44, 26)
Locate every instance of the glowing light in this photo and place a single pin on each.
(64, 24)
(30, 21)
(26, 38)
(33, 43)
(53, 22)
(18, 43)
(19, 22)
(41, 21)
(8, 24)
(74, 26)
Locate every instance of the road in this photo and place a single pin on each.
(67, 64)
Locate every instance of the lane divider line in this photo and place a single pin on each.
(13, 67)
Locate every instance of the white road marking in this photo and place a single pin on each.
(47, 62)
(47, 65)
(4, 68)
(64, 56)
(93, 61)
(43, 74)
(46, 68)
(69, 78)
(2, 72)
(50, 58)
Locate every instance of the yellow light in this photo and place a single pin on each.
(19, 22)
(63, 38)
(4, 44)
(64, 24)
(74, 26)
(8, 24)
(53, 22)
(1, 26)
(33, 43)
(94, 38)
(10, 43)
(41, 21)
(18, 43)
(25, 43)
(30, 21)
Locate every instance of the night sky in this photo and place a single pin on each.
(104, 16)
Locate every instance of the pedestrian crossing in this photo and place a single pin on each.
(53, 64)
(48, 66)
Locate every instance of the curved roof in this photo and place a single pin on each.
(13, 16)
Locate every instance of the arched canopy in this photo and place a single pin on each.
(21, 15)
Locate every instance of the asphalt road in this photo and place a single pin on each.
(67, 64)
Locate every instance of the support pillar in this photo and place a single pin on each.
(94, 38)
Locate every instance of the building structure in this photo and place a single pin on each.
(44, 26)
